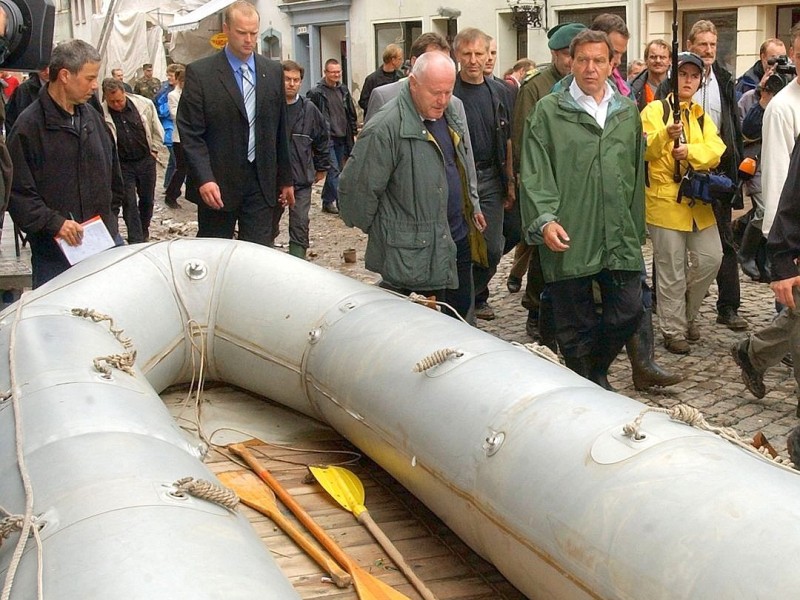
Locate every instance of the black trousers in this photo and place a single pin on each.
(728, 275)
(580, 330)
(253, 216)
(139, 177)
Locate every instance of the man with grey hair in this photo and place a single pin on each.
(405, 186)
(489, 119)
(66, 169)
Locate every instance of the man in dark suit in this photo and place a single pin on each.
(232, 122)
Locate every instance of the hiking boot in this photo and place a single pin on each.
(514, 284)
(753, 378)
(676, 345)
(172, 203)
(693, 332)
(731, 319)
(330, 208)
(484, 311)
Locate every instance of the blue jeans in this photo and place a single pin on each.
(330, 190)
(490, 192)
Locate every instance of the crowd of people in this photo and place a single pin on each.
(570, 165)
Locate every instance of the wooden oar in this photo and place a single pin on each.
(368, 587)
(255, 494)
(346, 488)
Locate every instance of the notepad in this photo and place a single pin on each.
(96, 238)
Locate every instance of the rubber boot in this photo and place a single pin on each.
(582, 365)
(748, 251)
(646, 372)
(297, 250)
(602, 360)
(547, 323)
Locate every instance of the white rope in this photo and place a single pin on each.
(435, 358)
(27, 517)
(539, 350)
(425, 301)
(103, 364)
(205, 490)
(692, 416)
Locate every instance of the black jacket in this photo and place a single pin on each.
(61, 173)
(320, 100)
(373, 80)
(214, 129)
(22, 98)
(750, 79)
(783, 244)
(502, 118)
(309, 143)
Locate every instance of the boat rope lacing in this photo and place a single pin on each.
(436, 358)
(103, 364)
(539, 350)
(123, 362)
(27, 526)
(205, 490)
(9, 525)
(692, 416)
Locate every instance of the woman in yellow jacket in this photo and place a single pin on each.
(687, 228)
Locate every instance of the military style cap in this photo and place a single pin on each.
(147, 66)
(561, 35)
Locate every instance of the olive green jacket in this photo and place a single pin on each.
(394, 188)
(589, 179)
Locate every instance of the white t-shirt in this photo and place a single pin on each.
(780, 129)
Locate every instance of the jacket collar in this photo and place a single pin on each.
(411, 125)
(56, 117)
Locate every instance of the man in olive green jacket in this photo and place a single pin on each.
(582, 192)
(405, 185)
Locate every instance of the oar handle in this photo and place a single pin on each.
(341, 578)
(327, 542)
(366, 519)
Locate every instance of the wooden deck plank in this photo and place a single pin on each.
(439, 557)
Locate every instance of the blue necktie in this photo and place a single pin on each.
(249, 93)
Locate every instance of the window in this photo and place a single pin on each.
(725, 22)
(271, 44)
(402, 33)
(587, 15)
(522, 43)
(788, 16)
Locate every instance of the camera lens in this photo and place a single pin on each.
(15, 24)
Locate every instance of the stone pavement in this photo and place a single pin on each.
(712, 381)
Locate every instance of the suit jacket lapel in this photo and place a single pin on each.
(228, 81)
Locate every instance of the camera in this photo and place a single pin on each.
(29, 34)
(782, 65)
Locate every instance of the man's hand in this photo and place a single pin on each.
(319, 176)
(71, 231)
(286, 196)
(480, 221)
(211, 195)
(784, 290)
(511, 196)
(674, 130)
(681, 152)
(555, 237)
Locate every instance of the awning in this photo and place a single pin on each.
(192, 20)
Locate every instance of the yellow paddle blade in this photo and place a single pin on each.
(343, 485)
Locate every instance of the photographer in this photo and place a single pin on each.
(754, 76)
(680, 225)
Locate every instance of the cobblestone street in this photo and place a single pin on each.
(712, 381)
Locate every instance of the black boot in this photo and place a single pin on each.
(645, 371)
(603, 357)
(582, 365)
(748, 251)
(547, 323)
